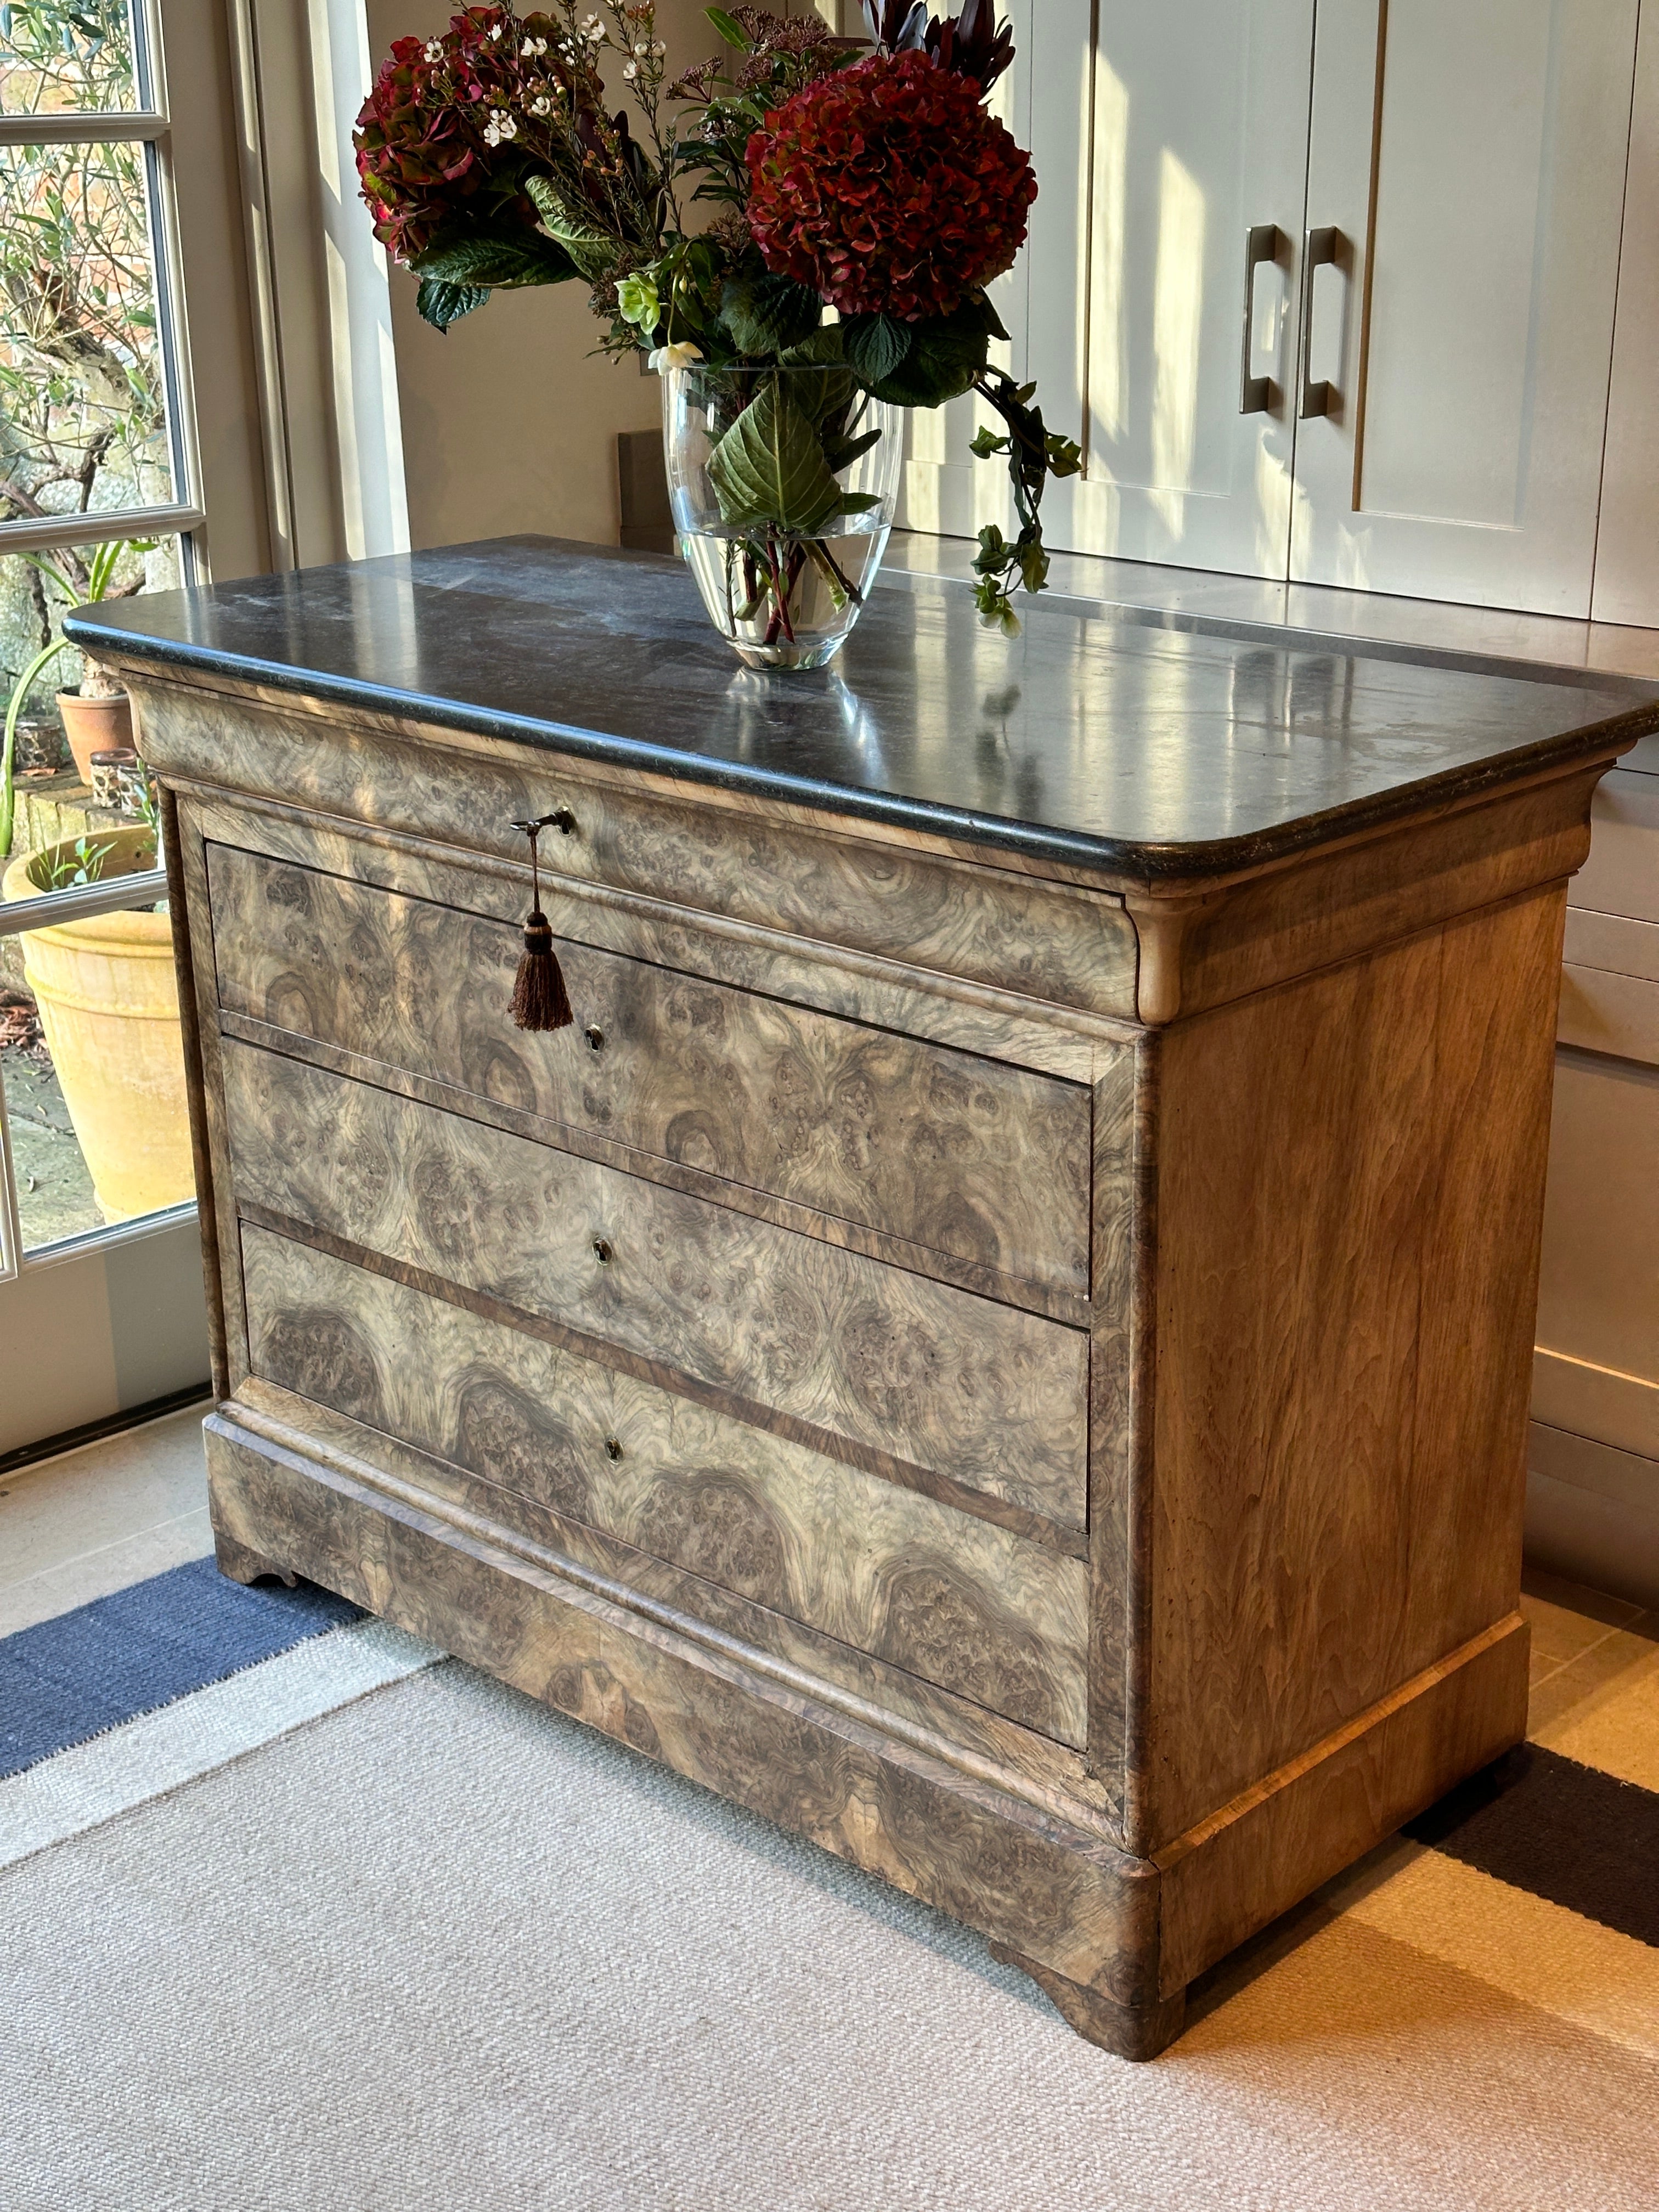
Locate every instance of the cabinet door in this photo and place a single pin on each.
(1162, 136)
(1469, 155)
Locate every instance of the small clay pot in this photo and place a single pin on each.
(39, 746)
(94, 726)
(108, 769)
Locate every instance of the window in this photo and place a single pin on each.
(100, 495)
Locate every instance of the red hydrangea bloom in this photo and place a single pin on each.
(888, 189)
(420, 143)
(416, 156)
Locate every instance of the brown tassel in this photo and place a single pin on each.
(540, 1000)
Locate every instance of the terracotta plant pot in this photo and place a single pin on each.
(94, 726)
(109, 1004)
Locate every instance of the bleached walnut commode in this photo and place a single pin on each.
(1000, 1336)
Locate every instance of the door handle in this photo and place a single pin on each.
(1319, 250)
(1257, 395)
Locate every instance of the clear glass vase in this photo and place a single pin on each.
(783, 482)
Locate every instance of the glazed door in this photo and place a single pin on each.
(122, 305)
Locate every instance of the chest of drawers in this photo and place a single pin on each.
(998, 1336)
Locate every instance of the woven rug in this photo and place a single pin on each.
(423, 1944)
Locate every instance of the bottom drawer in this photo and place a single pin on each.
(971, 1606)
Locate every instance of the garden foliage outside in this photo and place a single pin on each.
(83, 426)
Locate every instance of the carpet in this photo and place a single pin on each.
(70, 1678)
(440, 1948)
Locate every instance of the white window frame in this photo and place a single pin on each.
(147, 124)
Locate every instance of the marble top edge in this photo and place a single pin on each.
(1142, 747)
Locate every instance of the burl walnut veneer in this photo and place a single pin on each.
(1000, 1338)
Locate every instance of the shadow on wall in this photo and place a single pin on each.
(507, 424)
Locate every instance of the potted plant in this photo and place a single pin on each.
(108, 1000)
(97, 716)
(864, 197)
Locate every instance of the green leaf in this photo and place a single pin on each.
(993, 320)
(442, 304)
(498, 260)
(590, 252)
(824, 350)
(876, 344)
(768, 314)
(985, 442)
(945, 356)
(770, 469)
(729, 29)
(843, 456)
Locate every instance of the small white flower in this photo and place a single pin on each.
(641, 45)
(492, 137)
(630, 70)
(433, 51)
(674, 356)
(495, 30)
(658, 47)
(541, 105)
(500, 122)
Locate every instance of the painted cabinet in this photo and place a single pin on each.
(1593, 1495)
(1469, 156)
(1333, 301)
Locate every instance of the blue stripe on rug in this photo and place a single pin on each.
(66, 1679)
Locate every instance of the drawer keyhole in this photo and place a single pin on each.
(601, 1251)
(613, 1447)
(595, 1036)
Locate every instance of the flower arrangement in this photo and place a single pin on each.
(795, 174)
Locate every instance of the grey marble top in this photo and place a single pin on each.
(1095, 739)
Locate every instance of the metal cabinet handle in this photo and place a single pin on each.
(1257, 395)
(1319, 250)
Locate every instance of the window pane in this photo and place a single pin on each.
(66, 56)
(91, 1054)
(83, 395)
(35, 590)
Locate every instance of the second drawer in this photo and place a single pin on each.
(977, 1394)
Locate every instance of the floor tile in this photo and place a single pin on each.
(1603, 1708)
(1566, 1619)
(116, 1567)
(91, 1520)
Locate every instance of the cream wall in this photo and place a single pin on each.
(509, 421)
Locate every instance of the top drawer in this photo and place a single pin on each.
(982, 1163)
